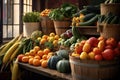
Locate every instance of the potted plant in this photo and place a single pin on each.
(32, 22)
(62, 17)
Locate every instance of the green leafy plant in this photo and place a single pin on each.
(31, 17)
(65, 11)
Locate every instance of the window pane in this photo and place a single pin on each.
(16, 14)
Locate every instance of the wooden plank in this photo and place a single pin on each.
(46, 72)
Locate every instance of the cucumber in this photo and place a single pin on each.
(115, 20)
(93, 9)
(88, 17)
(108, 21)
(75, 32)
(101, 18)
(89, 22)
(84, 11)
(107, 17)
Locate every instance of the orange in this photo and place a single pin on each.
(41, 61)
(36, 48)
(40, 53)
(36, 62)
(55, 42)
(32, 52)
(37, 57)
(52, 34)
(30, 61)
(50, 53)
(43, 40)
(44, 57)
(30, 57)
(56, 37)
(44, 63)
(49, 56)
(27, 54)
(46, 50)
(44, 36)
(25, 59)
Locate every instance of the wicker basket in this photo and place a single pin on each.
(61, 26)
(113, 8)
(94, 70)
(47, 25)
(109, 30)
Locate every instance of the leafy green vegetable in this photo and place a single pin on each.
(65, 11)
(31, 17)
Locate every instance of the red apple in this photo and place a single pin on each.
(96, 50)
(92, 41)
(20, 56)
(111, 41)
(108, 54)
(98, 57)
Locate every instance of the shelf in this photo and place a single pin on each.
(88, 30)
(46, 72)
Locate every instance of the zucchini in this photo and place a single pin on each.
(101, 18)
(89, 22)
(93, 9)
(88, 17)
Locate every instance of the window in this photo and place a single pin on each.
(11, 16)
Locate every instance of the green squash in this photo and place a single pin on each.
(63, 53)
(53, 61)
(63, 66)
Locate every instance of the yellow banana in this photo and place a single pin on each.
(15, 70)
(9, 52)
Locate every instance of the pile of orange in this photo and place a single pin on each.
(37, 56)
(52, 37)
(45, 12)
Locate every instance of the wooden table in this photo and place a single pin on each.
(46, 72)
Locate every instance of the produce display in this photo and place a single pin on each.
(98, 49)
(45, 12)
(109, 19)
(52, 51)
